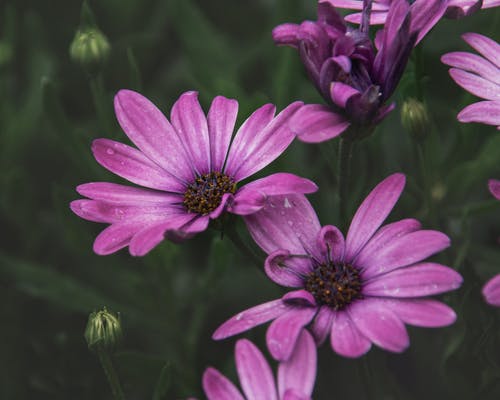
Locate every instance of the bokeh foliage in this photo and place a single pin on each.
(170, 301)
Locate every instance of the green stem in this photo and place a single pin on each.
(101, 102)
(111, 374)
(343, 175)
(235, 237)
(426, 183)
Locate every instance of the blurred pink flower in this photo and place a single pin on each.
(491, 290)
(358, 290)
(190, 169)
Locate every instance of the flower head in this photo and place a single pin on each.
(354, 76)
(491, 290)
(189, 167)
(295, 380)
(103, 331)
(358, 290)
(479, 76)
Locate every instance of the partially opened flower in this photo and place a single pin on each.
(356, 291)
(295, 380)
(455, 8)
(479, 76)
(491, 291)
(354, 77)
(189, 167)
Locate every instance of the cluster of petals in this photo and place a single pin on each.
(295, 377)
(168, 160)
(354, 76)
(394, 279)
(491, 291)
(454, 8)
(479, 75)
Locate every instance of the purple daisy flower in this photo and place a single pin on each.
(491, 290)
(295, 381)
(455, 9)
(358, 290)
(479, 76)
(189, 168)
(353, 77)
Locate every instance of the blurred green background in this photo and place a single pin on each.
(170, 301)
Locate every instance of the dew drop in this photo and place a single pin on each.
(110, 151)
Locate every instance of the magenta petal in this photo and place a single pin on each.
(221, 119)
(340, 93)
(475, 84)
(485, 46)
(372, 212)
(282, 334)
(151, 132)
(494, 186)
(416, 281)
(115, 237)
(376, 18)
(190, 122)
(286, 34)
(322, 324)
(358, 4)
(422, 312)
(256, 377)
(300, 297)
(486, 112)
(379, 324)
(218, 387)
(246, 202)
(472, 63)
(331, 243)
(299, 371)
(292, 394)
(424, 15)
(278, 271)
(131, 164)
(491, 291)
(250, 318)
(315, 123)
(346, 339)
(226, 199)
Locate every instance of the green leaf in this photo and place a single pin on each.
(164, 382)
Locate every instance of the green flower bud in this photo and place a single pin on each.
(103, 331)
(89, 48)
(415, 118)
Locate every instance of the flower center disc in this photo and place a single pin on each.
(334, 285)
(205, 193)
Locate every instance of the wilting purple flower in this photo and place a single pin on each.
(479, 76)
(455, 8)
(491, 291)
(358, 290)
(190, 168)
(295, 379)
(353, 77)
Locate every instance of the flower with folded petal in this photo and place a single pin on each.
(189, 168)
(358, 290)
(352, 76)
(295, 378)
(491, 291)
(479, 75)
(455, 9)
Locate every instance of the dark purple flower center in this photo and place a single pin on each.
(334, 284)
(205, 193)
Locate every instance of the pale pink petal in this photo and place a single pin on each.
(372, 212)
(218, 387)
(221, 119)
(151, 132)
(299, 371)
(475, 84)
(490, 3)
(346, 339)
(116, 237)
(250, 318)
(190, 122)
(331, 243)
(491, 291)
(315, 123)
(484, 45)
(322, 324)
(494, 186)
(486, 112)
(472, 63)
(256, 377)
(278, 269)
(282, 334)
(422, 312)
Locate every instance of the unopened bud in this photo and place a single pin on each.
(103, 331)
(415, 118)
(90, 47)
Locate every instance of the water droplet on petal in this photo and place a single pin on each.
(110, 151)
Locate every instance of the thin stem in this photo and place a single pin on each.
(343, 175)
(111, 374)
(235, 237)
(426, 183)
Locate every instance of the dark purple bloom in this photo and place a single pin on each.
(357, 290)
(491, 290)
(479, 76)
(353, 75)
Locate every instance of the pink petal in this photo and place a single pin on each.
(292, 394)
(131, 164)
(190, 123)
(299, 297)
(250, 318)
(226, 199)
(494, 186)
(346, 339)
(256, 377)
(416, 281)
(331, 243)
(151, 132)
(116, 237)
(424, 15)
(475, 84)
(282, 334)
(379, 325)
(315, 123)
(340, 93)
(218, 387)
(221, 119)
(491, 291)
(376, 18)
(406, 250)
(322, 324)
(486, 112)
(422, 312)
(286, 34)
(278, 271)
(253, 150)
(358, 4)
(372, 212)
(472, 63)
(484, 45)
(299, 371)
